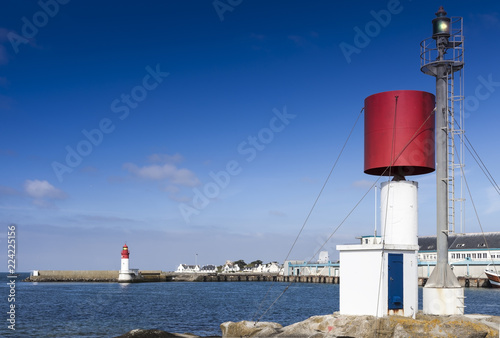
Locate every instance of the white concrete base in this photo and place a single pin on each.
(443, 301)
(364, 279)
(125, 276)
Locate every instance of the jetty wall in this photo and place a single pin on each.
(239, 277)
(75, 276)
(161, 276)
(466, 282)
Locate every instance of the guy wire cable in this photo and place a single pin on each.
(476, 213)
(310, 211)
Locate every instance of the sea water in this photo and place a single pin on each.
(112, 309)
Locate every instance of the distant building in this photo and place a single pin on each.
(323, 257)
(208, 269)
(230, 267)
(323, 267)
(370, 239)
(468, 254)
(259, 268)
(272, 267)
(184, 268)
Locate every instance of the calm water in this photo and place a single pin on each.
(110, 309)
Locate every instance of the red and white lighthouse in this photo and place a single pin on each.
(125, 257)
(125, 274)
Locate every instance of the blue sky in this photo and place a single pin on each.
(117, 117)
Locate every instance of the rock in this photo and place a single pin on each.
(140, 333)
(337, 325)
(249, 329)
(332, 326)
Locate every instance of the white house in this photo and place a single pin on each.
(208, 269)
(229, 267)
(258, 268)
(272, 267)
(184, 268)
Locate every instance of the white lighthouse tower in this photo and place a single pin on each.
(125, 275)
(381, 278)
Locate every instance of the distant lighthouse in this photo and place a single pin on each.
(125, 257)
(125, 274)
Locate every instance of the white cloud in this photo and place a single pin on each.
(42, 189)
(170, 172)
(43, 193)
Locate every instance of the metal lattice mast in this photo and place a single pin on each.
(450, 122)
(455, 120)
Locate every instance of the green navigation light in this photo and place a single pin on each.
(440, 24)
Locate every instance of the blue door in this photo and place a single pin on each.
(395, 291)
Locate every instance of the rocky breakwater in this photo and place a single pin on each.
(74, 276)
(336, 325)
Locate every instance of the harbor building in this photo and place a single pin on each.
(323, 267)
(208, 269)
(230, 267)
(186, 268)
(469, 254)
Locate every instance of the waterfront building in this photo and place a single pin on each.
(208, 269)
(230, 267)
(272, 267)
(185, 268)
(248, 269)
(259, 268)
(305, 268)
(468, 254)
(323, 257)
